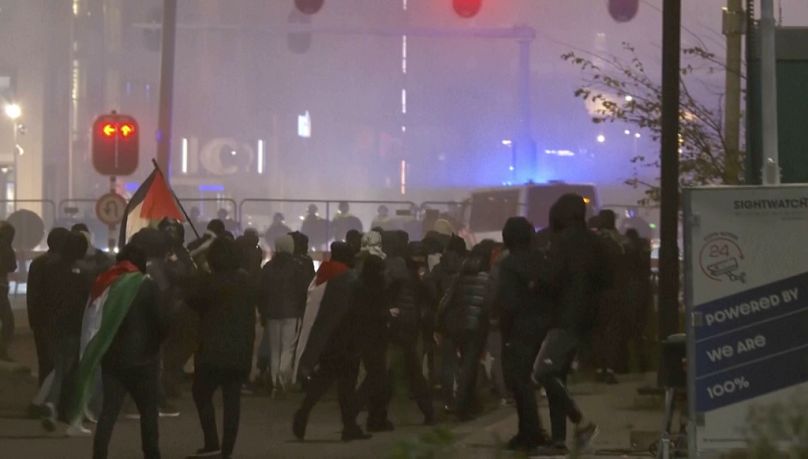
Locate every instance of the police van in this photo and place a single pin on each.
(489, 208)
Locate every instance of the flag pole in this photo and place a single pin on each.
(187, 218)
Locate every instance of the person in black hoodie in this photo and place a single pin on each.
(523, 320)
(575, 275)
(302, 254)
(463, 318)
(131, 364)
(39, 309)
(8, 264)
(373, 310)
(282, 301)
(438, 282)
(409, 298)
(179, 270)
(225, 301)
(68, 292)
(336, 358)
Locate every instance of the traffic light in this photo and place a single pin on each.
(115, 144)
(467, 8)
(309, 6)
(623, 10)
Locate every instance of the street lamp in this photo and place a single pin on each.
(13, 112)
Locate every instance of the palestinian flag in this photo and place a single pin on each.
(110, 298)
(319, 323)
(152, 202)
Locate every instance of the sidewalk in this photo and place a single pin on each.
(616, 409)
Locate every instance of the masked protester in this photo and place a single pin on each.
(523, 319)
(225, 301)
(463, 318)
(183, 332)
(40, 310)
(130, 348)
(282, 296)
(68, 293)
(327, 350)
(574, 276)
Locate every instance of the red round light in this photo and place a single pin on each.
(467, 8)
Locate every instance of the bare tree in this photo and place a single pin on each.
(608, 80)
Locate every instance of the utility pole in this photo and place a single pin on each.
(166, 86)
(768, 87)
(669, 221)
(733, 25)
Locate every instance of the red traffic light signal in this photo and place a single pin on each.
(623, 10)
(309, 6)
(115, 144)
(467, 8)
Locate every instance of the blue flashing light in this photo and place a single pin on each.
(130, 187)
(211, 188)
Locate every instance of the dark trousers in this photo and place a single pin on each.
(448, 370)
(518, 355)
(551, 368)
(470, 347)
(206, 381)
(44, 352)
(408, 346)
(180, 345)
(375, 391)
(343, 370)
(142, 383)
(6, 320)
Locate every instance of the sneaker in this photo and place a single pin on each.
(205, 452)
(49, 418)
(90, 417)
(584, 435)
(299, 425)
(168, 411)
(78, 430)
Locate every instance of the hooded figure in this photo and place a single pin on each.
(40, 310)
(575, 275)
(282, 296)
(327, 345)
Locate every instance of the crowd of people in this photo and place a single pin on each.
(520, 313)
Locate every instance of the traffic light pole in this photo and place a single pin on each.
(166, 85)
(669, 221)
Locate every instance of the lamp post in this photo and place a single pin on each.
(13, 112)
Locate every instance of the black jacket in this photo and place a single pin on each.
(576, 274)
(67, 291)
(467, 304)
(40, 308)
(226, 304)
(283, 288)
(409, 294)
(522, 310)
(139, 337)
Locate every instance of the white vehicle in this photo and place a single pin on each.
(489, 208)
